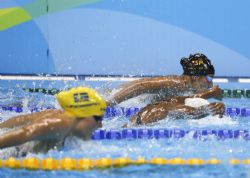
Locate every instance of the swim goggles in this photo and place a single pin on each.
(209, 79)
(98, 118)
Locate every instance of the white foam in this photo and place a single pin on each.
(196, 102)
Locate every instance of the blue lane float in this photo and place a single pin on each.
(21, 109)
(121, 111)
(126, 112)
(131, 134)
(233, 111)
(245, 112)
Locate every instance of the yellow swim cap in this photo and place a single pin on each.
(82, 102)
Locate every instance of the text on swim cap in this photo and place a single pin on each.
(81, 97)
(198, 62)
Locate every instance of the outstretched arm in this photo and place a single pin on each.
(149, 85)
(44, 129)
(155, 112)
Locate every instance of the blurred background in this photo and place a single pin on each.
(122, 37)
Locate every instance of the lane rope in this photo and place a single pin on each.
(139, 134)
(112, 112)
(84, 164)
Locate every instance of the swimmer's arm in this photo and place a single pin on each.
(152, 113)
(151, 85)
(25, 119)
(215, 92)
(46, 129)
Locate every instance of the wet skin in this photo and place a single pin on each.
(50, 126)
(54, 125)
(171, 86)
(172, 102)
(176, 108)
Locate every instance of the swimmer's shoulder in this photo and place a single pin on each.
(40, 114)
(56, 119)
(47, 113)
(60, 115)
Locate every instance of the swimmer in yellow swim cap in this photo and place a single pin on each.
(83, 110)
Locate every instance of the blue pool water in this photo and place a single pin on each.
(11, 93)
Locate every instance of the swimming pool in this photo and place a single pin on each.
(11, 92)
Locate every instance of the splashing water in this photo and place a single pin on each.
(148, 148)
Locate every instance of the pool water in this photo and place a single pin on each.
(12, 93)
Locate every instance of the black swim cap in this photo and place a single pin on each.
(197, 65)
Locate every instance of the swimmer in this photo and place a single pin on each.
(197, 78)
(83, 110)
(179, 108)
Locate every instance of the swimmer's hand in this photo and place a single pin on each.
(216, 93)
(216, 109)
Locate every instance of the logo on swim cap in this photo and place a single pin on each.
(197, 65)
(82, 102)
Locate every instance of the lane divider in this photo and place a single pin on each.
(206, 134)
(84, 164)
(236, 93)
(227, 93)
(112, 112)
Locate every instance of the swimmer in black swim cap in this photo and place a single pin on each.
(197, 78)
(171, 91)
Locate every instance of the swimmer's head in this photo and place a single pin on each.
(82, 102)
(197, 65)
